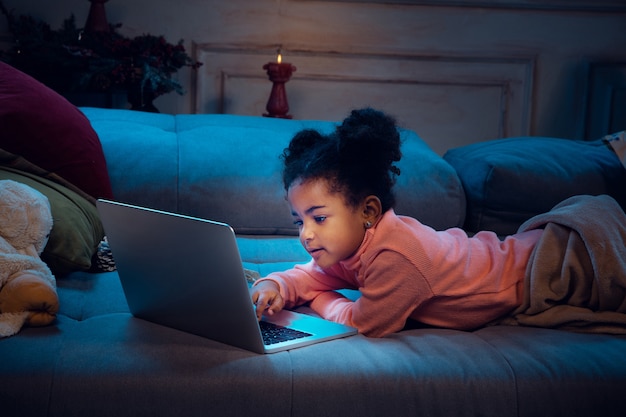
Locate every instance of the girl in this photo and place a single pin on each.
(340, 191)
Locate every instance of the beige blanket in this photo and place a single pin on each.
(576, 277)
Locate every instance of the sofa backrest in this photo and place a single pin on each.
(227, 168)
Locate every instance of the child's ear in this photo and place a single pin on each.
(372, 209)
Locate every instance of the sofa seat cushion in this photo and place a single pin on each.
(227, 168)
(44, 128)
(97, 351)
(508, 181)
(269, 253)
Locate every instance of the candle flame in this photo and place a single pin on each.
(279, 58)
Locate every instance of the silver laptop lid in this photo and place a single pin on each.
(182, 272)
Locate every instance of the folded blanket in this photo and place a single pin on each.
(576, 276)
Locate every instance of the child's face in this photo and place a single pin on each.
(330, 230)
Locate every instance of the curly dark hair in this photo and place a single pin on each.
(357, 159)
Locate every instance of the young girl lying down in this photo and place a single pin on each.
(340, 192)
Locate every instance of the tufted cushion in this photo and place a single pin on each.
(507, 181)
(47, 130)
(227, 168)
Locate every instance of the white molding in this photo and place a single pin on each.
(556, 5)
(606, 98)
(445, 98)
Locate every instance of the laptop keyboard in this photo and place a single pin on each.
(273, 333)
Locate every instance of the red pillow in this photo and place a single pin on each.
(41, 126)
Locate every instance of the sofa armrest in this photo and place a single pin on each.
(508, 181)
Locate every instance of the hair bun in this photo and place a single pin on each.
(303, 142)
(369, 137)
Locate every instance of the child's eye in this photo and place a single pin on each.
(297, 222)
(319, 219)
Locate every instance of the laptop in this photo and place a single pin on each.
(186, 273)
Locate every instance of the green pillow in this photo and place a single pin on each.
(77, 230)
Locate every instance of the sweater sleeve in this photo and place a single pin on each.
(303, 283)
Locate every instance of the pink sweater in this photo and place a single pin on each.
(405, 269)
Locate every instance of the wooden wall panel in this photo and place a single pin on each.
(448, 100)
(606, 101)
(564, 5)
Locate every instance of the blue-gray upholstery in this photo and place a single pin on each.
(98, 360)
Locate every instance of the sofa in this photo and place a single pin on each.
(96, 359)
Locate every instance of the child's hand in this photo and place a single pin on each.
(266, 296)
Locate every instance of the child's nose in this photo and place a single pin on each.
(306, 233)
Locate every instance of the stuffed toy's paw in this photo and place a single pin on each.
(33, 295)
(27, 287)
(11, 323)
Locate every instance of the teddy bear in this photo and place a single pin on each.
(28, 293)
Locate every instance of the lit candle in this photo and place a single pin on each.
(279, 73)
